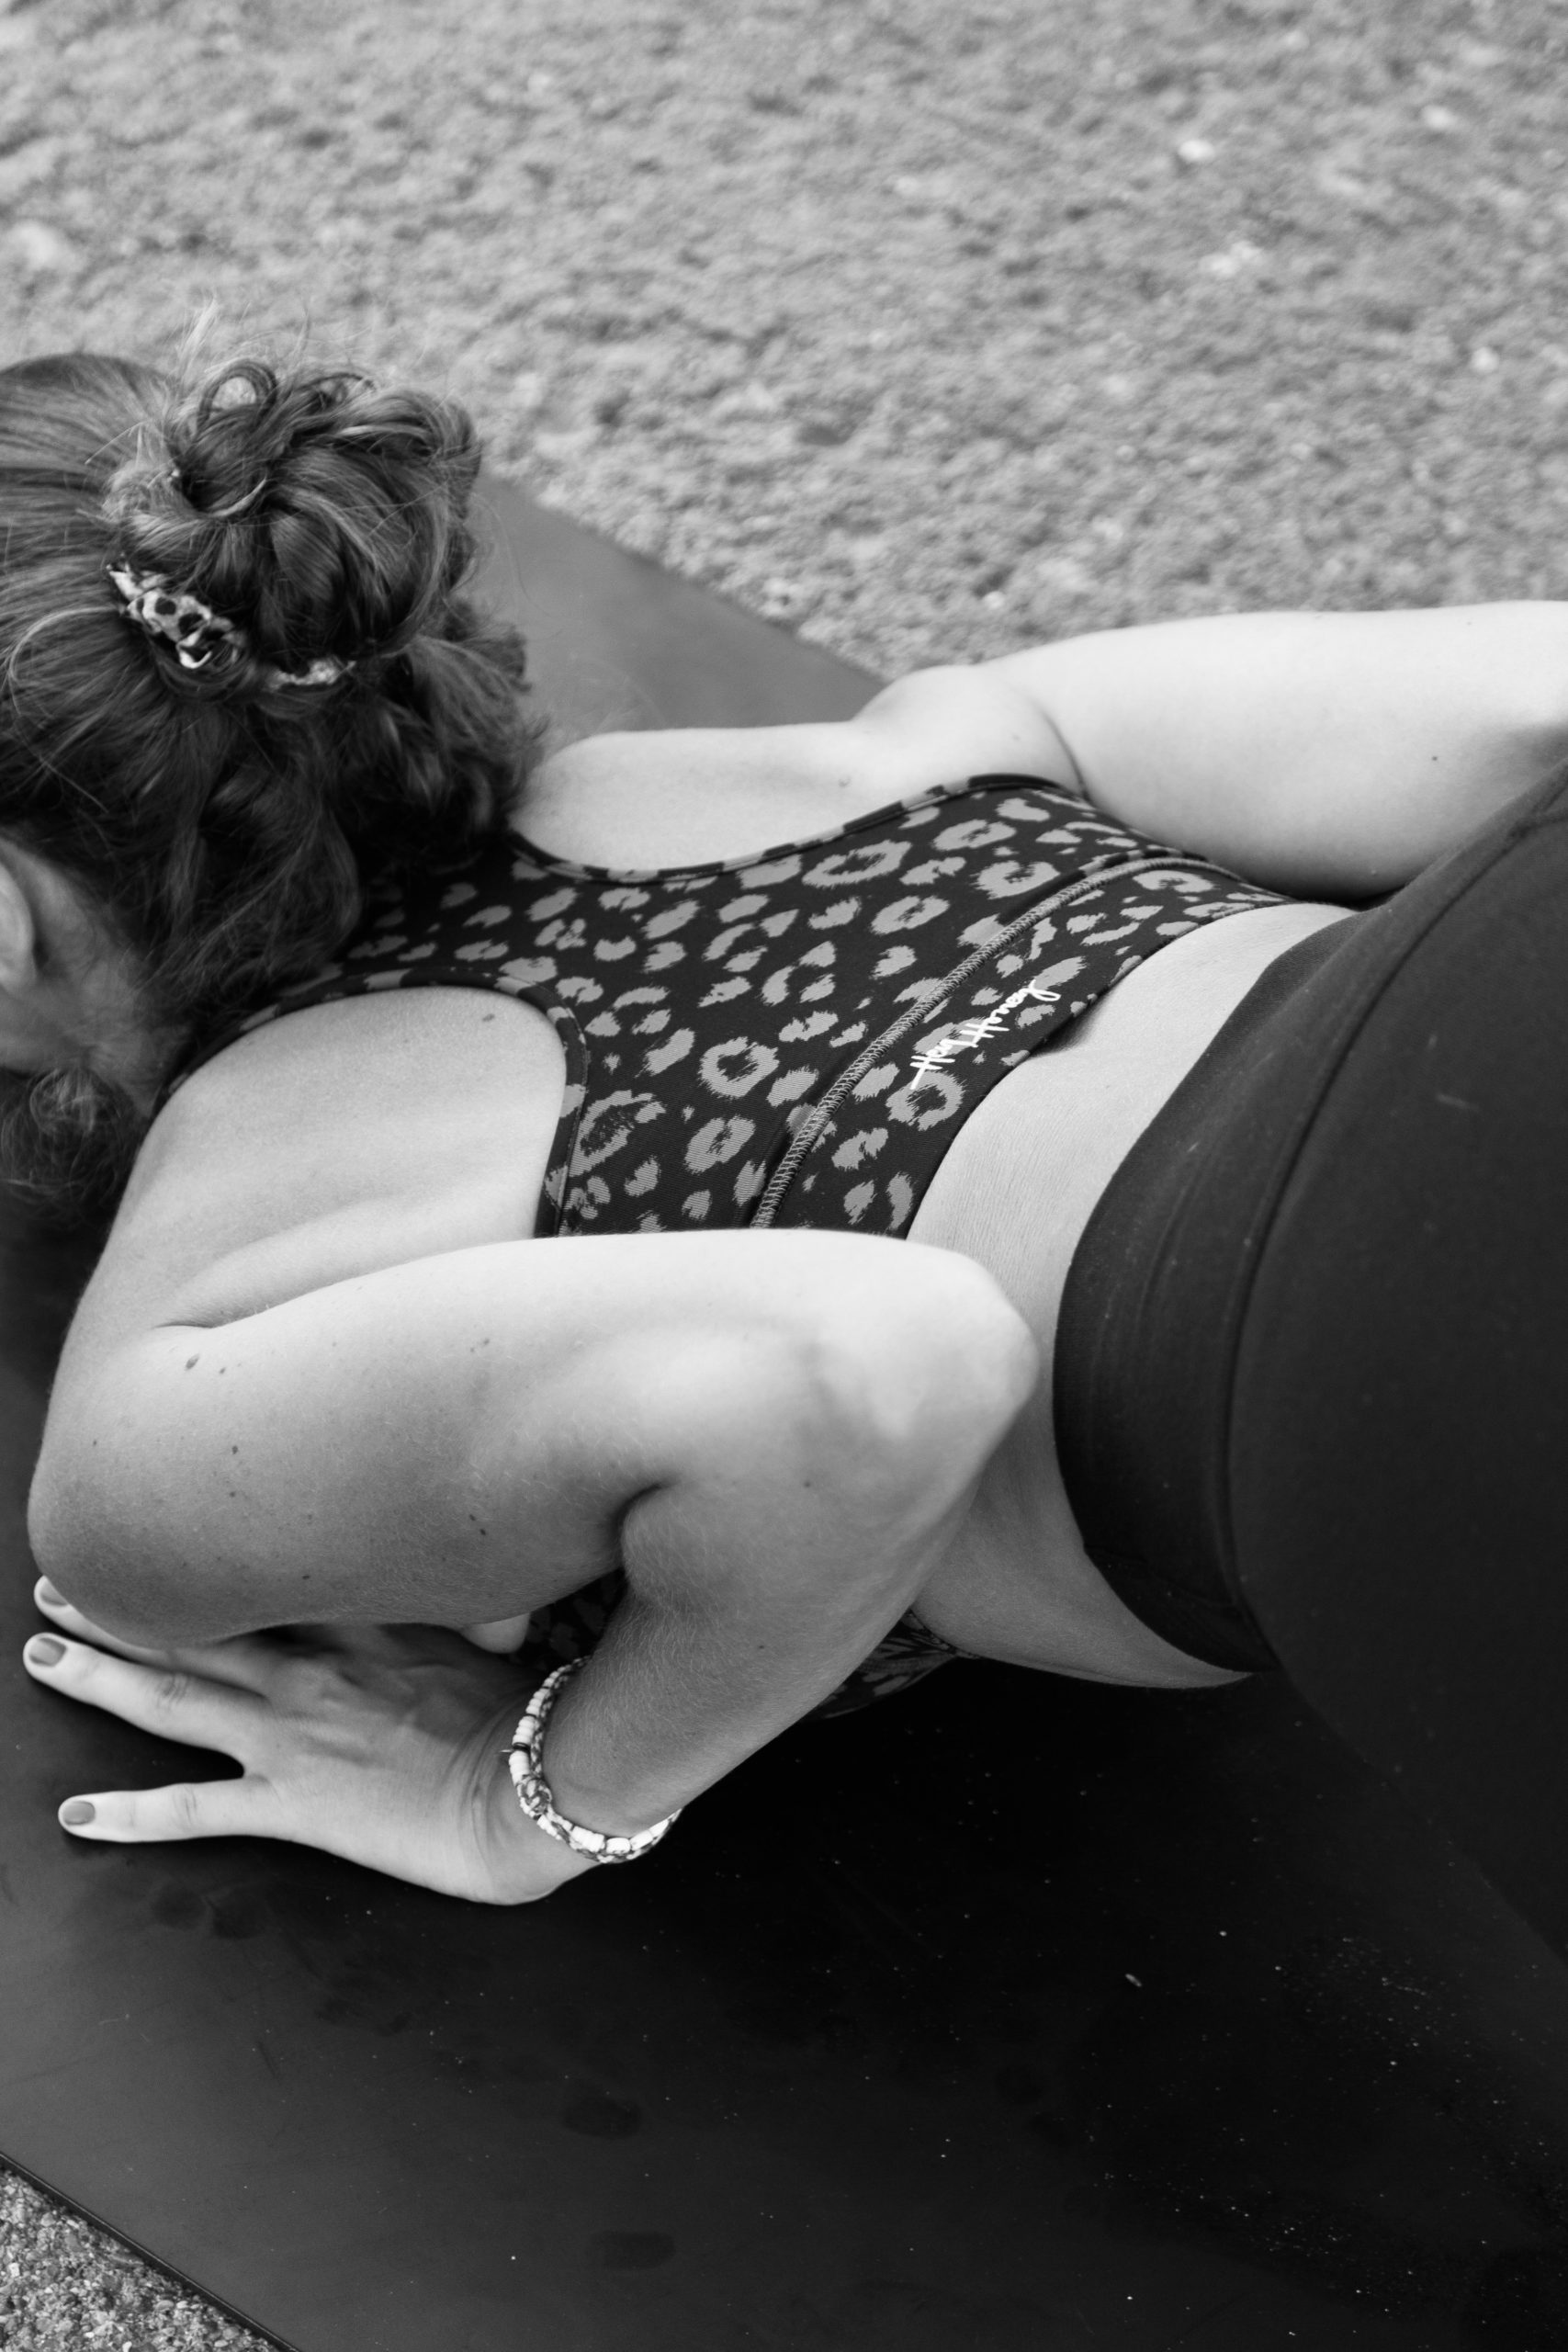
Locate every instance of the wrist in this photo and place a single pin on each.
(590, 1822)
(525, 1863)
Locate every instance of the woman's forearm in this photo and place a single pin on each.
(758, 1582)
(754, 1588)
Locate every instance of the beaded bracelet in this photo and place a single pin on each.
(525, 1762)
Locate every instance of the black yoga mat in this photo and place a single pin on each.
(1015, 2015)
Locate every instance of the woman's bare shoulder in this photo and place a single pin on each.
(699, 793)
(344, 1137)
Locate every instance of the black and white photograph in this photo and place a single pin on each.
(784, 1176)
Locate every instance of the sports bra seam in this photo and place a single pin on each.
(810, 1129)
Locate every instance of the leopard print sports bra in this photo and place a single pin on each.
(792, 1038)
(789, 1039)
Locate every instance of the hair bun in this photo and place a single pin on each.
(325, 519)
(224, 825)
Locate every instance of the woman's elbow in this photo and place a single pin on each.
(86, 1539)
(924, 1380)
(60, 1538)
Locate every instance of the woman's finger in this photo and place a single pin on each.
(164, 1699)
(245, 1661)
(500, 1635)
(242, 1808)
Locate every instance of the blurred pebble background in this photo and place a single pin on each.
(926, 327)
(923, 327)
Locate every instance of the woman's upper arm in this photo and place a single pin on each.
(458, 1437)
(461, 1422)
(1327, 754)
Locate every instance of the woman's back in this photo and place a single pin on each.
(410, 1121)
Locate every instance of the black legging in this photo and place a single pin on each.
(1312, 1365)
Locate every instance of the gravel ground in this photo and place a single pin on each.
(927, 329)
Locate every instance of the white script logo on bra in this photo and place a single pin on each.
(974, 1032)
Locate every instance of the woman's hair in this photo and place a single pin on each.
(337, 705)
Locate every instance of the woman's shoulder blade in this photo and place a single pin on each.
(669, 797)
(720, 796)
(674, 797)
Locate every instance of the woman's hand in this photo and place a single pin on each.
(382, 1744)
(500, 1635)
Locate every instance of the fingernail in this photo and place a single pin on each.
(76, 1813)
(46, 1591)
(44, 1650)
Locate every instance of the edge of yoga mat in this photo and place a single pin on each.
(924, 2069)
(614, 641)
(177, 2278)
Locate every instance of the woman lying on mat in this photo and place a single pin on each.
(994, 1226)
